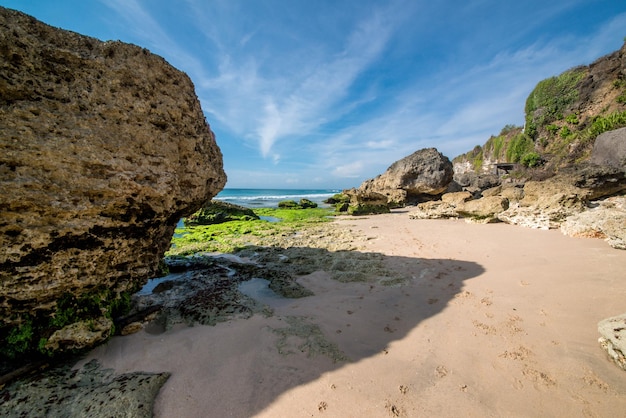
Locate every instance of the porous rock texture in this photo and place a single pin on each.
(88, 391)
(613, 338)
(103, 148)
(606, 219)
(426, 172)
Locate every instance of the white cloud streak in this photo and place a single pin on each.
(288, 95)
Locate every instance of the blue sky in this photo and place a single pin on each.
(328, 93)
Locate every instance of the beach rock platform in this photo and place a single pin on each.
(89, 390)
(103, 148)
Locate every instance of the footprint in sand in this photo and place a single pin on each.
(521, 353)
(459, 297)
(592, 380)
(486, 329)
(539, 377)
(441, 372)
(393, 410)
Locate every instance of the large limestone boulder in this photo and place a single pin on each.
(609, 149)
(103, 148)
(425, 172)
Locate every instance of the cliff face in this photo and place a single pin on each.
(103, 148)
(563, 117)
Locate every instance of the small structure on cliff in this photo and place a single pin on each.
(103, 148)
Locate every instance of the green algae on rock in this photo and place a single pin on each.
(217, 212)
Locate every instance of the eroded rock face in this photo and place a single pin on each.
(613, 338)
(425, 172)
(607, 219)
(103, 148)
(599, 180)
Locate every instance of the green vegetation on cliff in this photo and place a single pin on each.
(551, 99)
(564, 115)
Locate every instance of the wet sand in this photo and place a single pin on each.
(477, 321)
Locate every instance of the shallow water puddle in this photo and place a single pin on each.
(152, 283)
(258, 289)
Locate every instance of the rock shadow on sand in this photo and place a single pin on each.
(306, 311)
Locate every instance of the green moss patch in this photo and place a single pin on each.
(229, 236)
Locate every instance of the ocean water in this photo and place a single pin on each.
(269, 198)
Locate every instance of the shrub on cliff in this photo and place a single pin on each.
(551, 98)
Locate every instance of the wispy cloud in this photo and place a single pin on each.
(357, 89)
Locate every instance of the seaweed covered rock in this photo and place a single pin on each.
(366, 203)
(292, 204)
(340, 201)
(103, 148)
(216, 212)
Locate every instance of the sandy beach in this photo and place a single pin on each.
(482, 321)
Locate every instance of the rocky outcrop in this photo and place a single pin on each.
(546, 204)
(434, 209)
(485, 210)
(568, 201)
(606, 220)
(87, 391)
(463, 205)
(103, 148)
(366, 202)
(610, 149)
(613, 338)
(426, 172)
(476, 183)
(600, 181)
